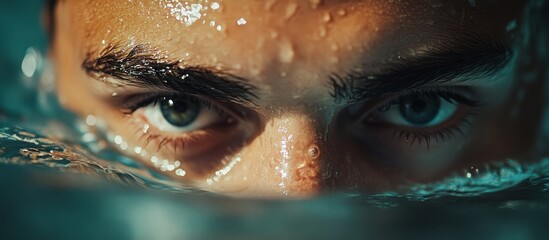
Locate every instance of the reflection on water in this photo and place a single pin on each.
(508, 200)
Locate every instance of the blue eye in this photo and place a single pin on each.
(178, 112)
(181, 114)
(417, 111)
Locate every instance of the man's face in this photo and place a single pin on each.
(288, 97)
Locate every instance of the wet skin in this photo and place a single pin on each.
(298, 97)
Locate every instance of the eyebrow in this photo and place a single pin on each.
(462, 59)
(467, 58)
(140, 67)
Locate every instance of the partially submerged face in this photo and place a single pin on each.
(287, 97)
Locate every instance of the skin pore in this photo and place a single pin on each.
(293, 98)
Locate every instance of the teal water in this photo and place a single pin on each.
(59, 181)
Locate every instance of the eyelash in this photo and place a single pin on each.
(439, 135)
(452, 95)
(133, 103)
(446, 93)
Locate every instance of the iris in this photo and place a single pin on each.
(419, 110)
(179, 112)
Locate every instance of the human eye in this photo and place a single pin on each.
(180, 114)
(419, 132)
(418, 112)
(182, 135)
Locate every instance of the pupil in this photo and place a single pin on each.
(178, 112)
(419, 110)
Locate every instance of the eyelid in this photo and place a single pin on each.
(454, 94)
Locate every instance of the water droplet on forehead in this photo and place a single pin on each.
(269, 4)
(315, 3)
(186, 12)
(326, 17)
(291, 8)
(286, 52)
(273, 33)
(215, 5)
(241, 21)
(322, 31)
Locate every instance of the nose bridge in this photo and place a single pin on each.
(295, 153)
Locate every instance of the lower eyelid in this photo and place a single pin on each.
(459, 124)
(460, 127)
(188, 148)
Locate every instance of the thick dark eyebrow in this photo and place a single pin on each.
(139, 67)
(467, 58)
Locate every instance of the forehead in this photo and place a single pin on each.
(259, 38)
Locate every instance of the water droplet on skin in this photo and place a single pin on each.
(254, 70)
(118, 139)
(219, 28)
(273, 34)
(215, 5)
(341, 12)
(184, 12)
(327, 17)
(114, 94)
(291, 9)
(286, 52)
(322, 31)
(313, 151)
(124, 146)
(315, 3)
(241, 21)
(269, 4)
(103, 42)
(146, 128)
(224, 171)
(154, 160)
(91, 120)
(180, 172)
